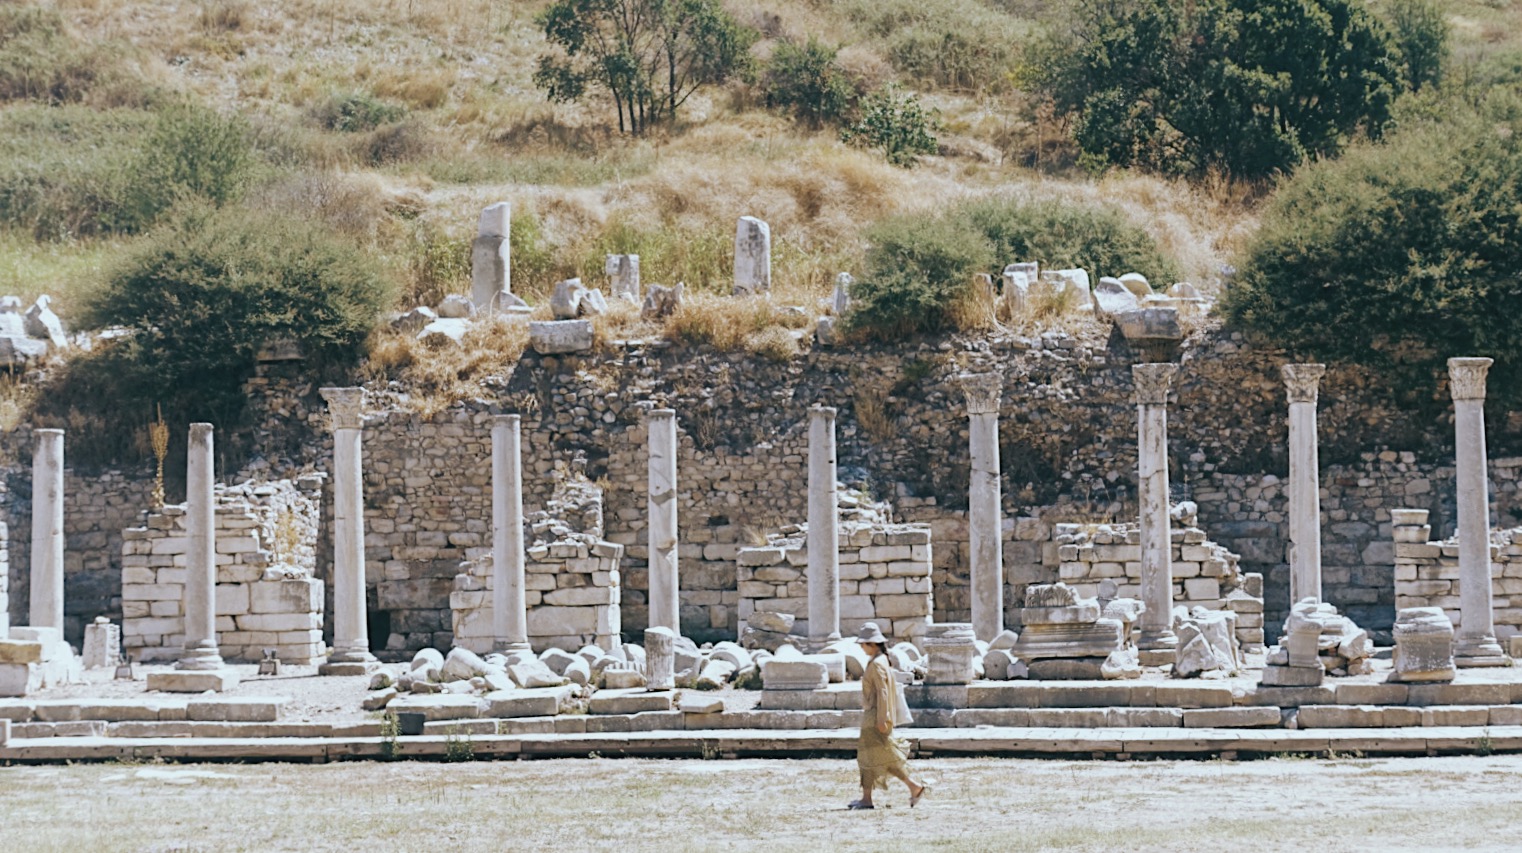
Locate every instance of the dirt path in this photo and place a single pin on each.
(976, 805)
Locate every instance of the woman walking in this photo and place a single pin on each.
(879, 754)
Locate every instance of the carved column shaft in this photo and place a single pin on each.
(824, 530)
(665, 593)
(984, 513)
(1475, 643)
(1301, 381)
(509, 612)
(351, 636)
(1152, 385)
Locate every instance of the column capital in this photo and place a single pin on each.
(983, 392)
(346, 405)
(1152, 382)
(661, 414)
(826, 413)
(505, 420)
(46, 432)
(1303, 381)
(1466, 377)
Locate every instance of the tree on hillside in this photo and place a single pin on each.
(649, 55)
(1252, 87)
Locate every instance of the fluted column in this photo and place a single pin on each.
(46, 605)
(984, 513)
(1475, 641)
(824, 530)
(665, 598)
(509, 612)
(351, 639)
(1152, 385)
(200, 607)
(1302, 382)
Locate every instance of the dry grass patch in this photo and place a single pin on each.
(752, 324)
(439, 375)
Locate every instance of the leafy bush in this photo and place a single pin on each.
(63, 170)
(804, 80)
(1062, 235)
(896, 124)
(193, 153)
(1421, 34)
(919, 273)
(357, 111)
(211, 288)
(919, 276)
(1400, 255)
(1252, 87)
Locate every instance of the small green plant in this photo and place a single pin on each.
(458, 746)
(1483, 745)
(389, 730)
(895, 123)
(918, 278)
(357, 111)
(192, 154)
(805, 80)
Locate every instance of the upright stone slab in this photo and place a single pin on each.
(1423, 646)
(509, 611)
(490, 259)
(824, 531)
(47, 530)
(351, 640)
(665, 605)
(1476, 641)
(984, 512)
(840, 300)
(753, 256)
(1302, 382)
(624, 270)
(103, 644)
(660, 658)
(1156, 640)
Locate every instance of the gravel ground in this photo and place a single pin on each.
(636, 805)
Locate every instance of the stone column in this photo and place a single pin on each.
(201, 562)
(1476, 643)
(824, 531)
(47, 530)
(660, 658)
(509, 613)
(351, 640)
(1156, 640)
(491, 271)
(984, 513)
(665, 599)
(1302, 381)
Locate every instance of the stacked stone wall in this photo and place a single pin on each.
(1427, 572)
(571, 592)
(884, 578)
(266, 597)
(1068, 448)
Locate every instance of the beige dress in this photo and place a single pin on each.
(878, 755)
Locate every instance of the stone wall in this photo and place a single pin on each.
(266, 597)
(1427, 572)
(884, 577)
(1204, 573)
(572, 588)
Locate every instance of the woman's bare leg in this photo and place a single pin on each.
(914, 787)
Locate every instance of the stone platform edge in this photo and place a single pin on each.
(1117, 744)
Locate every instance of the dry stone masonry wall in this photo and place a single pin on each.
(266, 596)
(1427, 572)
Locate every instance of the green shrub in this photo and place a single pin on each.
(1063, 235)
(1421, 34)
(357, 111)
(1252, 87)
(193, 153)
(804, 80)
(896, 124)
(212, 287)
(1400, 255)
(952, 44)
(918, 277)
(63, 170)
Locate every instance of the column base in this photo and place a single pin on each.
(815, 645)
(351, 662)
(193, 681)
(200, 660)
(1476, 652)
(1157, 657)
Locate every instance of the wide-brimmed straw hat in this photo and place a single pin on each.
(869, 633)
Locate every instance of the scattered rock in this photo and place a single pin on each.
(560, 336)
(454, 307)
(661, 302)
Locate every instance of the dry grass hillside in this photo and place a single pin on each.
(457, 123)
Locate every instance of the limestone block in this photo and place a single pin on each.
(232, 599)
(1111, 297)
(1423, 646)
(798, 674)
(560, 336)
(541, 702)
(950, 648)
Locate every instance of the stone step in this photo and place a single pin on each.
(248, 709)
(1113, 743)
